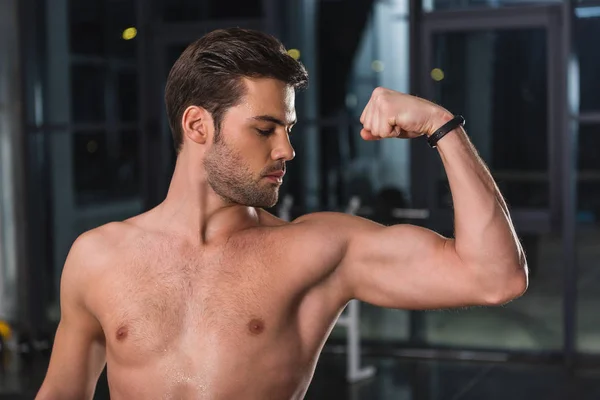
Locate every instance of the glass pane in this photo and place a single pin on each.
(434, 5)
(497, 81)
(194, 10)
(88, 84)
(587, 28)
(587, 239)
(87, 25)
(128, 96)
(106, 167)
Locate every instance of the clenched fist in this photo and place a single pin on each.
(393, 114)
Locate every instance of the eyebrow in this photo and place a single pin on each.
(270, 118)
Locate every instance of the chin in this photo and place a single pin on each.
(266, 199)
(267, 204)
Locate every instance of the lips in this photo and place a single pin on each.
(277, 174)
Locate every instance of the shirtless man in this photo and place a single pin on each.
(207, 296)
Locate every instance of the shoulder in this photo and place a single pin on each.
(337, 224)
(326, 234)
(102, 241)
(93, 252)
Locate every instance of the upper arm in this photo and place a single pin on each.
(402, 266)
(78, 353)
(409, 267)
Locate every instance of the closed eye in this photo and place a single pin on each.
(267, 132)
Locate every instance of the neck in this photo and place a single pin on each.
(193, 208)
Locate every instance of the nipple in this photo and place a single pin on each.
(256, 326)
(122, 333)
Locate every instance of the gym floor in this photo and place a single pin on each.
(399, 380)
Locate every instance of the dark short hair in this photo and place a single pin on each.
(209, 73)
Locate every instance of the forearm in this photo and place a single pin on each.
(484, 231)
(50, 392)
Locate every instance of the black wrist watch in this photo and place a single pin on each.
(449, 126)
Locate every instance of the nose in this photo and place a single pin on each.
(283, 149)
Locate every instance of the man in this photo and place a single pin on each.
(207, 296)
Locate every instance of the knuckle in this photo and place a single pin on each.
(378, 90)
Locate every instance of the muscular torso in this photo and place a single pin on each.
(244, 317)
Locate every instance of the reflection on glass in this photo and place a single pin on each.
(498, 81)
(588, 238)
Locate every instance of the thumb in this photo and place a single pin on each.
(366, 135)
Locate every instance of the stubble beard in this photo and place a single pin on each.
(233, 181)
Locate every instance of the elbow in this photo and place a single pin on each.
(505, 290)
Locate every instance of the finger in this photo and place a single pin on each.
(367, 135)
(365, 112)
(375, 123)
(367, 116)
(385, 129)
(393, 125)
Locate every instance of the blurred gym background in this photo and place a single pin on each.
(84, 140)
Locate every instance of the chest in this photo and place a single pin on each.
(191, 303)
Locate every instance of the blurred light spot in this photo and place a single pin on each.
(5, 331)
(294, 53)
(129, 33)
(351, 100)
(587, 12)
(377, 65)
(92, 146)
(437, 74)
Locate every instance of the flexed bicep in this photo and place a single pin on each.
(410, 267)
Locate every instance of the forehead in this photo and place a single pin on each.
(269, 96)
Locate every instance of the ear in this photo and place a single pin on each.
(197, 124)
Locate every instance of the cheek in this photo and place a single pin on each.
(252, 158)
(255, 149)
(246, 157)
